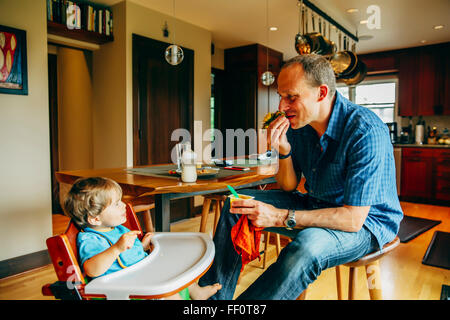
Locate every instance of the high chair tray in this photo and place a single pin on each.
(177, 258)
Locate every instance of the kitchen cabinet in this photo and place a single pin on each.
(421, 81)
(246, 100)
(425, 173)
(442, 174)
(417, 171)
(424, 77)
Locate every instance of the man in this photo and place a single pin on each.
(351, 208)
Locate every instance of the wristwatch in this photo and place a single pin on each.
(290, 222)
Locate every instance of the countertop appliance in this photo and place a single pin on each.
(392, 131)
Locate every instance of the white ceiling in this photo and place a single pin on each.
(404, 23)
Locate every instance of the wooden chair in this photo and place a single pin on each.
(142, 205)
(217, 201)
(72, 282)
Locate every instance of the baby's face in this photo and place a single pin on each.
(115, 213)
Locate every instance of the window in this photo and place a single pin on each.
(376, 95)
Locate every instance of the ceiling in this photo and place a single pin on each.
(404, 23)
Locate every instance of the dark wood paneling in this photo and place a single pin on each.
(162, 102)
(53, 119)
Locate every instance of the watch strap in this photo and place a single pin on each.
(284, 156)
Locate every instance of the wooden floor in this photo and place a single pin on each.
(404, 277)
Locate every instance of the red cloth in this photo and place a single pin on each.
(246, 239)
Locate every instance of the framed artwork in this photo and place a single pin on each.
(13, 61)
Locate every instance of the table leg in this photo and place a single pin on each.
(162, 213)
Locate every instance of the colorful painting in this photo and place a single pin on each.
(13, 61)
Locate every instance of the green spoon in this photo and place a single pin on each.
(233, 191)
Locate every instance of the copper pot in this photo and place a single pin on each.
(357, 75)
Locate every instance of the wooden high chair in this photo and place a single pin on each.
(177, 260)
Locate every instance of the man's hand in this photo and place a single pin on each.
(259, 213)
(126, 241)
(277, 135)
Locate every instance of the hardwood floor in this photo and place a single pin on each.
(404, 277)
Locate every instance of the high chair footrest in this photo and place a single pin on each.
(65, 291)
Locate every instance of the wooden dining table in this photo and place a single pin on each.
(164, 189)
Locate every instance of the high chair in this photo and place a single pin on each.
(177, 260)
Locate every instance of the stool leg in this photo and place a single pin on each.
(352, 283)
(148, 224)
(216, 216)
(266, 245)
(277, 236)
(205, 212)
(340, 289)
(374, 280)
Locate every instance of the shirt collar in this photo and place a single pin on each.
(336, 123)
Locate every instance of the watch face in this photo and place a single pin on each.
(291, 223)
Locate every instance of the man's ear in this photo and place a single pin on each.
(323, 92)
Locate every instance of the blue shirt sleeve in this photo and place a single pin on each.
(89, 244)
(365, 169)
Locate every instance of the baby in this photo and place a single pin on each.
(105, 246)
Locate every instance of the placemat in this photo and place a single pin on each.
(411, 227)
(438, 252)
(163, 172)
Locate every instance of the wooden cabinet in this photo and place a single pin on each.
(246, 100)
(442, 174)
(417, 170)
(425, 174)
(424, 77)
(421, 81)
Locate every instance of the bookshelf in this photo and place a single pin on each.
(59, 29)
(92, 23)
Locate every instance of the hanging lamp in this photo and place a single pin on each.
(174, 54)
(267, 78)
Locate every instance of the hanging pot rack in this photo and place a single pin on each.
(322, 14)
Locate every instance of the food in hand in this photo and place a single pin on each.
(271, 117)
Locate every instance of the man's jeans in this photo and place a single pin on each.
(299, 263)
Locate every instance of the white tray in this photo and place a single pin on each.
(177, 258)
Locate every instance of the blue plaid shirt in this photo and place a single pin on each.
(356, 166)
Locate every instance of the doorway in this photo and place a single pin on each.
(53, 115)
(162, 102)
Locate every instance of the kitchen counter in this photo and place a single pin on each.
(413, 145)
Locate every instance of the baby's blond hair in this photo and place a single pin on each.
(88, 197)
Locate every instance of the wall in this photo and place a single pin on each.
(113, 99)
(25, 199)
(74, 109)
(109, 98)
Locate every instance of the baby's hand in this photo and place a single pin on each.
(146, 241)
(126, 241)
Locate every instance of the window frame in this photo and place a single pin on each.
(374, 79)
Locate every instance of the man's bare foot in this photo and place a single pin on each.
(203, 293)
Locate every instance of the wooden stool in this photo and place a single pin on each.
(371, 262)
(266, 243)
(372, 266)
(217, 200)
(142, 205)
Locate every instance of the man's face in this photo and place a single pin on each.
(297, 98)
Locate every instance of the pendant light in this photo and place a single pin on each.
(267, 78)
(174, 54)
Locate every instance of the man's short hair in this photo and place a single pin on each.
(317, 69)
(88, 197)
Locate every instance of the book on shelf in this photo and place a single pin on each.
(81, 15)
